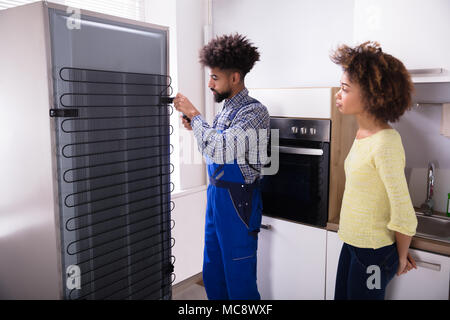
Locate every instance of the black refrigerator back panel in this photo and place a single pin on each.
(113, 154)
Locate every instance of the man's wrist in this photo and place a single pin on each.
(193, 114)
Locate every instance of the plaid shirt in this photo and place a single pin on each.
(249, 119)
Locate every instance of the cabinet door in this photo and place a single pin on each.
(189, 232)
(291, 261)
(295, 102)
(430, 281)
(411, 30)
(334, 246)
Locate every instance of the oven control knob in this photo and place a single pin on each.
(303, 130)
(294, 130)
(312, 131)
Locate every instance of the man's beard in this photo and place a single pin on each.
(219, 97)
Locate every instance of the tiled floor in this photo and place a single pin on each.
(190, 289)
(193, 292)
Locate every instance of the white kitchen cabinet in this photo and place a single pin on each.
(411, 30)
(291, 261)
(294, 38)
(334, 246)
(296, 102)
(429, 281)
(188, 232)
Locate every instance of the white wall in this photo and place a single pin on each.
(192, 15)
(419, 129)
(186, 20)
(190, 206)
(294, 38)
(163, 12)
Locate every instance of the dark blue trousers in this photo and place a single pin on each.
(364, 273)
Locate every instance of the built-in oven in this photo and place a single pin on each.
(299, 190)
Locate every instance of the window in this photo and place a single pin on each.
(13, 3)
(132, 9)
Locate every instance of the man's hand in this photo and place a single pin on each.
(183, 105)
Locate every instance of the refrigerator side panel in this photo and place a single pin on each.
(29, 254)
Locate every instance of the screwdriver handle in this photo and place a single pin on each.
(185, 117)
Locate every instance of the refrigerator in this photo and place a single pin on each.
(85, 156)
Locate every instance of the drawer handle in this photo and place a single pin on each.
(428, 265)
(266, 226)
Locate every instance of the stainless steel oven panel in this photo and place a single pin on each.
(302, 129)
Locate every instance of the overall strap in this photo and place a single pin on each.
(230, 119)
(230, 184)
(219, 168)
(236, 110)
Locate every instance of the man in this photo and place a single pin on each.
(233, 213)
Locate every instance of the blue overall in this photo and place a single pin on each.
(233, 219)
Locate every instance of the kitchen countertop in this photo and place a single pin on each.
(417, 242)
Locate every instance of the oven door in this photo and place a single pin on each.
(299, 191)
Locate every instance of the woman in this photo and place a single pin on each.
(377, 218)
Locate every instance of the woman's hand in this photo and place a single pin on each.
(405, 264)
(405, 261)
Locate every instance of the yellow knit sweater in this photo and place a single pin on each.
(376, 199)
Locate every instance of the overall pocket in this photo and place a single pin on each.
(243, 253)
(242, 202)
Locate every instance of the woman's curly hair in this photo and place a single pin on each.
(230, 52)
(385, 83)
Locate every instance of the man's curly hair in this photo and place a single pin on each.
(230, 52)
(385, 83)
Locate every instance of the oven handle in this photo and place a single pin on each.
(303, 151)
